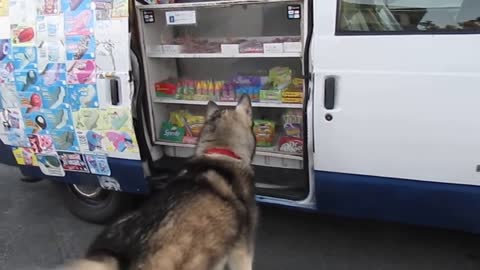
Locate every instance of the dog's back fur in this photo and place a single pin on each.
(205, 219)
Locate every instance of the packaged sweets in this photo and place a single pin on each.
(290, 145)
(228, 93)
(166, 88)
(192, 124)
(171, 132)
(294, 92)
(280, 77)
(293, 123)
(269, 94)
(264, 131)
(249, 85)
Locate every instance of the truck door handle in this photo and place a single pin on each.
(329, 97)
(114, 91)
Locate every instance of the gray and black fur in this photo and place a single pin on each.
(205, 219)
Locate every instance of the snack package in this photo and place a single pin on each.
(166, 88)
(192, 124)
(293, 124)
(251, 46)
(249, 85)
(264, 131)
(280, 77)
(269, 94)
(170, 132)
(290, 145)
(294, 92)
(228, 93)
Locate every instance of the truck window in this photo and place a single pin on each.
(408, 16)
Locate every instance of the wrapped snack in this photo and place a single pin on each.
(280, 77)
(170, 132)
(264, 131)
(269, 94)
(193, 124)
(251, 46)
(166, 88)
(290, 145)
(294, 92)
(228, 93)
(249, 85)
(293, 123)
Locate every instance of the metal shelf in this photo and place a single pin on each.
(224, 3)
(227, 103)
(226, 55)
(263, 152)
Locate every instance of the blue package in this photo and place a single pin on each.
(8, 96)
(79, 17)
(53, 74)
(30, 101)
(80, 47)
(54, 97)
(46, 120)
(82, 96)
(25, 58)
(27, 80)
(5, 50)
(98, 164)
(65, 139)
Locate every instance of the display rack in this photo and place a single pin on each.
(172, 50)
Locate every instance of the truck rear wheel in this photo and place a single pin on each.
(95, 204)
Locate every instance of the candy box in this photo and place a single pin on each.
(293, 100)
(264, 131)
(165, 89)
(170, 132)
(292, 123)
(270, 95)
(280, 77)
(290, 145)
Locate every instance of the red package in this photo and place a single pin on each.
(26, 35)
(190, 140)
(290, 145)
(166, 88)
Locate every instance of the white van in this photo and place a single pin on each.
(363, 108)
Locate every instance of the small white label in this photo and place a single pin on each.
(230, 49)
(171, 49)
(292, 46)
(272, 48)
(181, 17)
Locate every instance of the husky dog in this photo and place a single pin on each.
(204, 220)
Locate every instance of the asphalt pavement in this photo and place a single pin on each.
(38, 233)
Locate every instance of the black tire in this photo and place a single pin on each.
(100, 209)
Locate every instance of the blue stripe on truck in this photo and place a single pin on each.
(443, 205)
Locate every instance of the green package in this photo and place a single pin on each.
(170, 132)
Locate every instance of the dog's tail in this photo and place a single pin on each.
(105, 263)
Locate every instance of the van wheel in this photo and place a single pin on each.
(95, 204)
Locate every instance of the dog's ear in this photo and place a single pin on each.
(244, 106)
(211, 108)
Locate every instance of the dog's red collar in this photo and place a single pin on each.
(222, 151)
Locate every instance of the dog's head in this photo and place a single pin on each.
(229, 129)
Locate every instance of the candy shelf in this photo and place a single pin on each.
(228, 104)
(153, 54)
(232, 45)
(264, 156)
(210, 4)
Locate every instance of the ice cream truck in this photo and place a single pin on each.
(362, 108)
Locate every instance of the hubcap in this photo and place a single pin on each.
(89, 191)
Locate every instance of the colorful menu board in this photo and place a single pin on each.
(56, 60)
